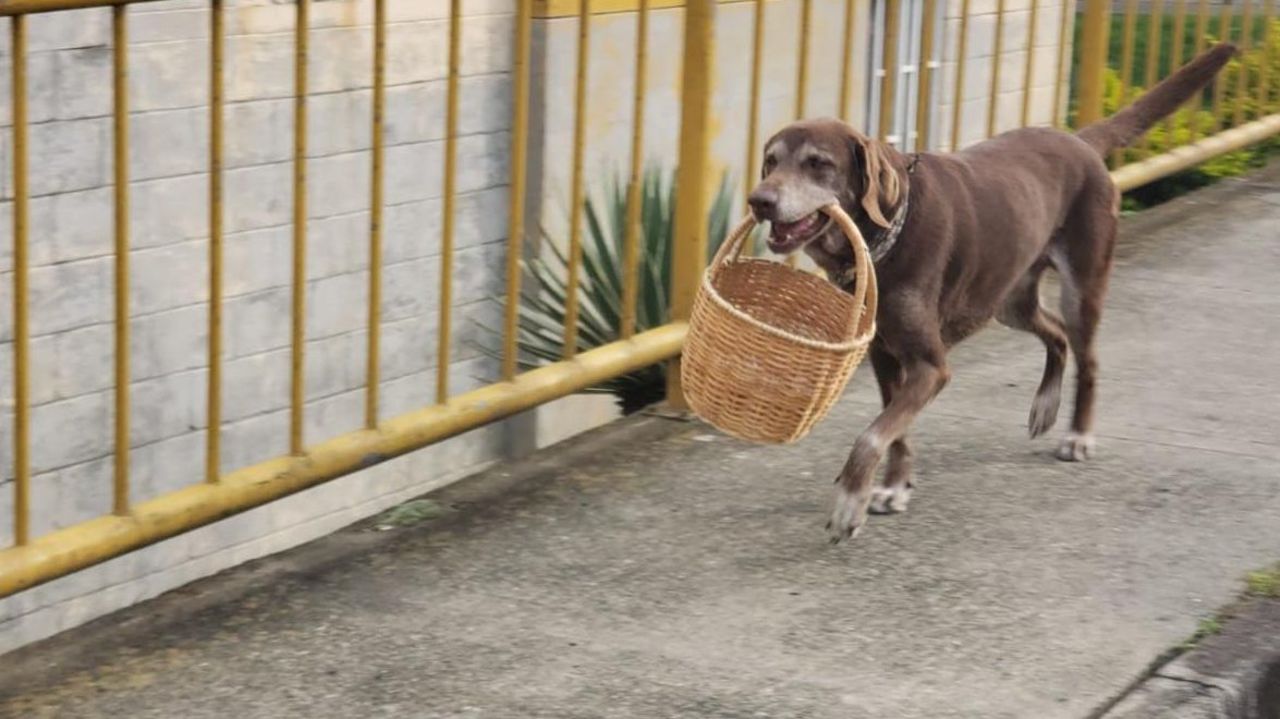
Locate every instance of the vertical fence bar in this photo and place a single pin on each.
(1155, 22)
(802, 62)
(21, 291)
(373, 361)
(1126, 64)
(1202, 24)
(631, 240)
(577, 196)
(846, 59)
(1093, 60)
(889, 82)
(962, 49)
(753, 109)
(1064, 32)
(1196, 103)
(120, 160)
(298, 338)
(1028, 75)
(1176, 42)
(689, 251)
(1220, 82)
(1155, 15)
(213, 433)
(802, 79)
(1264, 72)
(519, 164)
(445, 335)
(993, 100)
(1242, 77)
(923, 104)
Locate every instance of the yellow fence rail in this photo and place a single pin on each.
(941, 69)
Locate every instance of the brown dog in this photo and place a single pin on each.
(958, 239)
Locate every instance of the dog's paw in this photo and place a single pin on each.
(847, 516)
(890, 500)
(1076, 447)
(1044, 413)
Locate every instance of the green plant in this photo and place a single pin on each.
(542, 307)
(1166, 39)
(1207, 627)
(410, 513)
(1264, 583)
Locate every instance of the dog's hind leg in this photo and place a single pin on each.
(1083, 261)
(1022, 311)
(894, 493)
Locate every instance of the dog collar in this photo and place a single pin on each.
(884, 243)
(889, 237)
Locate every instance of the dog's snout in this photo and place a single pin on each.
(764, 203)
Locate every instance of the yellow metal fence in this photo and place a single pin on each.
(1250, 118)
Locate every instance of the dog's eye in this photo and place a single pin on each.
(816, 163)
(769, 164)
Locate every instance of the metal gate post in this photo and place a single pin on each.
(689, 254)
(1093, 60)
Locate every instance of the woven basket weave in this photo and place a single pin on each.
(771, 347)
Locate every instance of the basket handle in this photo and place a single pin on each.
(731, 248)
(866, 293)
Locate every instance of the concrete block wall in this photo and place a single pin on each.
(980, 60)
(72, 281)
(611, 89)
(611, 82)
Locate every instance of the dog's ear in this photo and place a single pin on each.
(880, 184)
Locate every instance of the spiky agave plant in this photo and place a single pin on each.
(542, 310)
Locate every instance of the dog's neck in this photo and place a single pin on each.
(880, 240)
(887, 237)
(833, 253)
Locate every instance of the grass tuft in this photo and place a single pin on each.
(1264, 583)
(410, 513)
(1208, 627)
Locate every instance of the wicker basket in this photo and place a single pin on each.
(771, 347)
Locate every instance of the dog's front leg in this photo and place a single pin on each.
(891, 496)
(923, 379)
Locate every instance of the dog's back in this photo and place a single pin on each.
(1009, 197)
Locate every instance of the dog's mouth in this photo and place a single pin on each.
(786, 237)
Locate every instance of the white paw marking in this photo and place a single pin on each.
(847, 516)
(890, 500)
(1076, 447)
(1044, 411)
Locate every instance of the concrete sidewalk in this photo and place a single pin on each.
(657, 569)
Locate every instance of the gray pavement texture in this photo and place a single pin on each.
(657, 569)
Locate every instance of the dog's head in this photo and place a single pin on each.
(809, 165)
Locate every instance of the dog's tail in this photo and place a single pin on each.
(1129, 124)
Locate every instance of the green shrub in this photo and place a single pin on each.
(542, 306)
(1164, 62)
